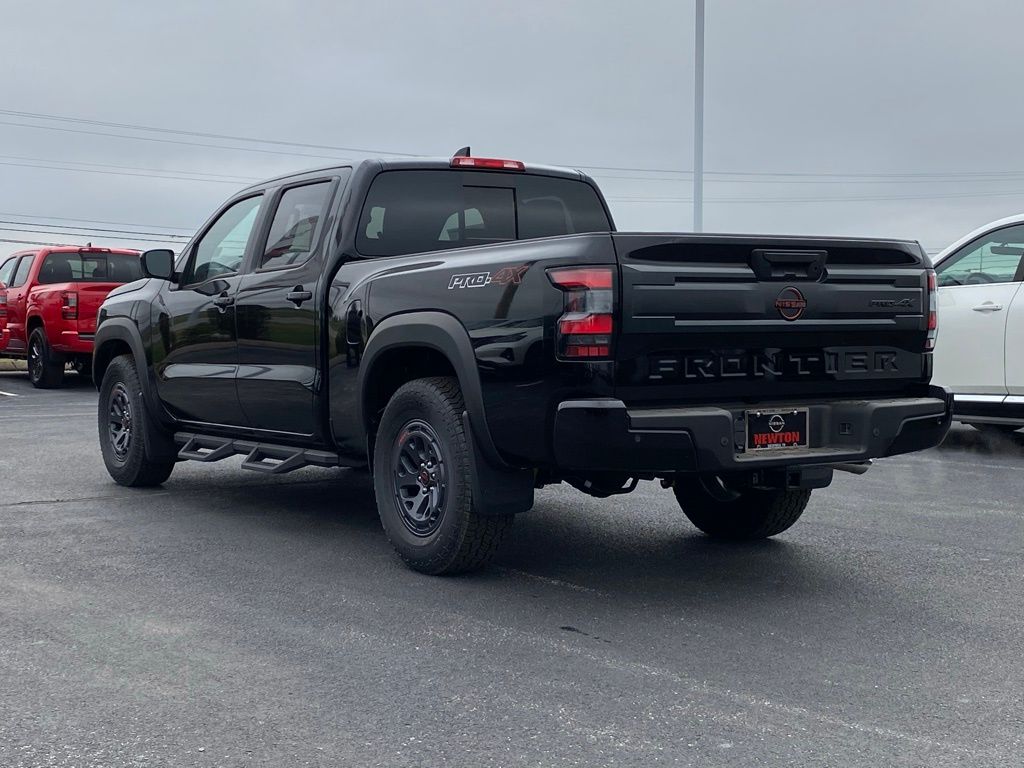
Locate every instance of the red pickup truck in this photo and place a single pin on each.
(49, 299)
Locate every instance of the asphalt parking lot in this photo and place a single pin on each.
(233, 619)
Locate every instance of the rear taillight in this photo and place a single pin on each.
(69, 310)
(585, 329)
(933, 311)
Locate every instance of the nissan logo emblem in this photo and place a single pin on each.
(790, 303)
(776, 423)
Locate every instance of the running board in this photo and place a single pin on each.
(259, 457)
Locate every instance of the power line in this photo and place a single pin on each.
(120, 173)
(232, 177)
(94, 221)
(88, 236)
(833, 199)
(27, 227)
(199, 134)
(168, 141)
(228, 137)
(979, 180)
(368, 151)
(31, 242)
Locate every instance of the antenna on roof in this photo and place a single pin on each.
(464, 152)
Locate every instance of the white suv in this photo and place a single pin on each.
(980, 350)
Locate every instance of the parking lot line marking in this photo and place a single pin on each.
(12, 416)
(7, 394)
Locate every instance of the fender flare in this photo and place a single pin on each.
(444, 333)
(123, 329)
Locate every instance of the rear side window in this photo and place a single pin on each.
(21, 274)
(89, 268)
(7, 270)
(290, 241)
(415, 211)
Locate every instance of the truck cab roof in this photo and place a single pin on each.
(418, 163)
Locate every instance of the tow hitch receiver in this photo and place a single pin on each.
(792, 477)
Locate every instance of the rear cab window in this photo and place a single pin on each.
(411, 211)
(89, 268)
(293, 231)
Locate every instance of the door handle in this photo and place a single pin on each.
(988, 306)
(223, 301)
(297, 295)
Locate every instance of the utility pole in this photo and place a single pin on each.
(698, 120)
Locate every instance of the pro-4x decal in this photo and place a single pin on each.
(504, 276)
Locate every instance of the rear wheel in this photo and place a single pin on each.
(45, 367)
(748, 513)
(422, 479)
(124, 425)
(995, 430)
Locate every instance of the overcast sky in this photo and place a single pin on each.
(880, 109)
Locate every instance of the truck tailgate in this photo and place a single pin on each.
(754, 317)
(90, 296)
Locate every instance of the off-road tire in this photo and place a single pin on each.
(45, 367)
(128, 464)
(752, 514)
(462, 539)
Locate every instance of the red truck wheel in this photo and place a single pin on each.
(45, 368)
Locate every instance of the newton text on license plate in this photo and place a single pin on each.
(778, 428)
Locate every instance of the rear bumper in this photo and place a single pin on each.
(606, 435)
(73, 342)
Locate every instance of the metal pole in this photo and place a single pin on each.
(698, 120)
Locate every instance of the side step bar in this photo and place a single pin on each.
(259, 457)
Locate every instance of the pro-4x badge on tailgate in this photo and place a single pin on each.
(513, 275)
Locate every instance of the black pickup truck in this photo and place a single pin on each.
(472, 329)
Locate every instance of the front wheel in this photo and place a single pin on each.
(422, 478)
(748, 513)
(124, 425)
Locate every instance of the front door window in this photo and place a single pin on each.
(220, 251)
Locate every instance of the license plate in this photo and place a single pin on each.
(776, 428)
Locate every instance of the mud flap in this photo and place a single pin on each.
(496, 492)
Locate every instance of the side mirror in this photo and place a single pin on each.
(158, 263)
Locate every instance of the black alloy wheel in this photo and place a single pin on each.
(120, 421)
(420, 478)
(35, 358)
(45, 367)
